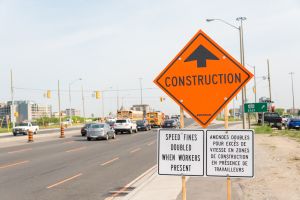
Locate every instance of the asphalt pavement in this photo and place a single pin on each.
(74, 168)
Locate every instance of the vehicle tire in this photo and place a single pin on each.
(130, 131)
(35, 132)
(106, 137)
(88, 138)
(135, 130)
(15, 134)
(114, 136)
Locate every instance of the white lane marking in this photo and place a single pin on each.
(63, 181)
(135, 150)
(110, 161)
(13, 164)
(20, 150)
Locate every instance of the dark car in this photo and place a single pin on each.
(273, 119)
(111, 123)
(84, 129)
(293, 123)
(143, 125)
(170, 123)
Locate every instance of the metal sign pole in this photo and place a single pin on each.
(228, 178)
(183, 180)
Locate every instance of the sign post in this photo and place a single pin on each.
(183, 179)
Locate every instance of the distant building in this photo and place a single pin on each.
(290, 111)
(26, 110)
(72, 112)
(141, 107)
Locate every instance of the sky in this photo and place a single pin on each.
(112, 45)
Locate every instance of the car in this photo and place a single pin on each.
(293, 123)
(111, 123)
(273, 119)
(143, 125)
(170, 123)
(24, 127)
(100, 131)
(125, 125)
(285, 119)
(84, 129)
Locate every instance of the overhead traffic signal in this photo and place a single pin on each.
(98, 95)
(48, 94)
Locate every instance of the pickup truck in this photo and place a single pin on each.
(23, 128)
(273, 119)
(125, 125)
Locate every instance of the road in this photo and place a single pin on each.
(74, 168)
(42, 131)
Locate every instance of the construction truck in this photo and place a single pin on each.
(155, 119)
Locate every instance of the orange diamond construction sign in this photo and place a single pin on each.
(203, 78)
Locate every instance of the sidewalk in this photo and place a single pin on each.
(169, 187)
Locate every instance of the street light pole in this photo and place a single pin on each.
(292, 73)
(83, 108)
(141, 91)
(242, 57)
(70, 99)
(269, 79)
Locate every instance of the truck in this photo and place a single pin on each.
(155, 119)
(134, 115)
(273, 119)
(24, 127)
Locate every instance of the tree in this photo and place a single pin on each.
(280, 111)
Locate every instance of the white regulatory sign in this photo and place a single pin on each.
(181, 152)
(230, 153)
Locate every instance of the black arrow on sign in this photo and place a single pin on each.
(201, 54)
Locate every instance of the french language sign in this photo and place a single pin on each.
(181, 152)
(230, 153)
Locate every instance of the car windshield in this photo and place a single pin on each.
(295, 120)
(97, 125)
(169, 121)
(87, 125)
(140, 122)
(23, 124)
(121, 121)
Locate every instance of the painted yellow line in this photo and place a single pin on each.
(13, 164)
(150, 143)
(110, 161)
(123, 189)
(76, 149)
(135, 150)
(63, 181)
(68, 142)
(20, 150)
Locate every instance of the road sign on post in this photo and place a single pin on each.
(255, 107)
(203, 78)
(181, 152)
(230, 153)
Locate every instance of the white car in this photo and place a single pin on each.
(23, 128)
(125, 125)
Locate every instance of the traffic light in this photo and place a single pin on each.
(48, 94)
(98, 95)
(162, 99)
(16, 114)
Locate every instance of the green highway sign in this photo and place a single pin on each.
(255, 107)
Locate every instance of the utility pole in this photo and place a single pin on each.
(103, 104)
(141, 91)
(269, 79)
(59, 109)
(255, 85)
(242, 55)
(12, 109)
(118, 99)
(83, 109)
(292, 73)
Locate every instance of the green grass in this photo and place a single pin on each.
(4, 130)
(268, 130)
(230, 119)
(263, 129)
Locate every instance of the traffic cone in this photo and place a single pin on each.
(30, 136)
